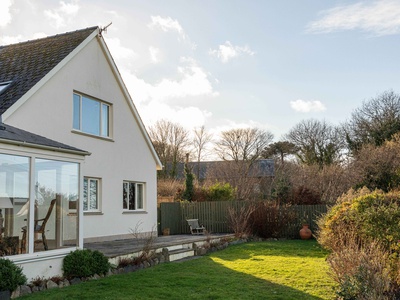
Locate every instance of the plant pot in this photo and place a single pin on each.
(166, 231)
(305, 232)
(5, 295)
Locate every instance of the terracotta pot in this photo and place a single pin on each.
(166, 231)
(305, 232)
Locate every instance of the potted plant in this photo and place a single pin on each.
(11, 277)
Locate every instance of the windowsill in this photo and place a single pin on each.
(92, 213)
(104, 138)
(128, 212)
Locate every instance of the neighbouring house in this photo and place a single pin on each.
(76, 162)
(252, 180)
(217, 170)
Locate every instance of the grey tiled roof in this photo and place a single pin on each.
(25, 64)
(11, 133)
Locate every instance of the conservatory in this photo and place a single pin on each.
(40, 187)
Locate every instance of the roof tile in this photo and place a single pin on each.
(26, 63)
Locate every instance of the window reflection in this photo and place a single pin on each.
(14, 205)
(57, 187)
(56, 191)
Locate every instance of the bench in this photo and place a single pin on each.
(195, 228)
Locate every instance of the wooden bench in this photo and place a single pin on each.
(195, 228)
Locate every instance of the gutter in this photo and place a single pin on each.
(43, 147)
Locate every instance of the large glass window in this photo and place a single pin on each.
(133, 196)
(91, 194)
(91, 116)
(57, 186)
(48, 207)
(14, 204)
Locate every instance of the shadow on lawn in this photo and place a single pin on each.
(194, 279)
(198, 279)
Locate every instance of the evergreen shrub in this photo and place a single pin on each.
(11, 275)
(85, 263)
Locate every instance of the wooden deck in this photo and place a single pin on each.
(117, 248)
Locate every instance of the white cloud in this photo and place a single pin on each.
(154, 54)
(378, 18)
(7, 40)
(192, 81)
(227, 51)
(154, 100)
(171, 25)
(5, 14)
(64, 14)
(189, 117)
(118, 51)
(307, 106)
(166, 24)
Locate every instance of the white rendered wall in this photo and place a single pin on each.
(126, 156)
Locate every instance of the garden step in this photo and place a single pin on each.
(180, 254)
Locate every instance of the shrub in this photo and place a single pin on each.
(101, 264)
(363, 232)
(375, 217)
(270, 218)
(85, 263)
(361, 270)
(11, 275)
(220, 192)
(305, 196)
(239, 220)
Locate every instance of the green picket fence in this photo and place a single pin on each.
(214, 216)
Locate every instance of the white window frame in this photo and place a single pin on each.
(137, 199)
(101, 121)
(98, 198)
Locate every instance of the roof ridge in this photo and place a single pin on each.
(50, 36)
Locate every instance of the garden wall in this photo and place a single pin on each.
(214, 216)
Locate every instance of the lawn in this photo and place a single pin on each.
(257, 270)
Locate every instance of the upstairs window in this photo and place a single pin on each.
(91, 116)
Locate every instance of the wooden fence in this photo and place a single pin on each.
(214, 216)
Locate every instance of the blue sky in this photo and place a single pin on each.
(233, 63)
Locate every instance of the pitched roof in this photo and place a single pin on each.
(25, 64)
(13, 135)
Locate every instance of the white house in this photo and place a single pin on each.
(73, 147)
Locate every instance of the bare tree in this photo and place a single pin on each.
(240, 148)
(318, 142)
(200, 141)
(376, 121)
(243, 144)
(170, 141)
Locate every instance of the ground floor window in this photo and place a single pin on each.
(133, 196)
(91, 194)
(35, 197)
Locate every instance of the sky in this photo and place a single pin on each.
(233, 63)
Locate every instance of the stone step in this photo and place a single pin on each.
(180, 254)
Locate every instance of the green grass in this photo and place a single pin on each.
(258, 270)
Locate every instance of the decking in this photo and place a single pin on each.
(179, 246)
